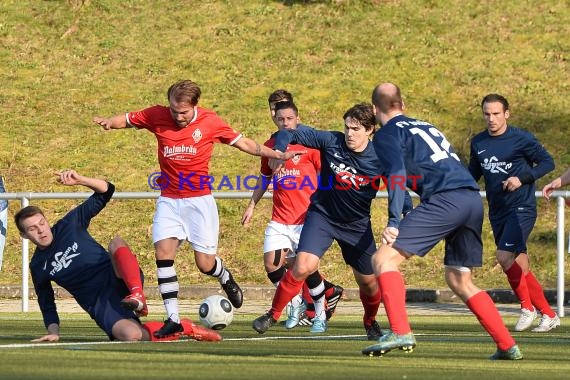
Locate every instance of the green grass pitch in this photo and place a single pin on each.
(449, 347)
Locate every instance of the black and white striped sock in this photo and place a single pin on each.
(168, 286)
(219, 271)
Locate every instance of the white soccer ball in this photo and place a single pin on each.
(216, 312)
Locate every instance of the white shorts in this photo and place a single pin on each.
(278, 236)
(194, 219)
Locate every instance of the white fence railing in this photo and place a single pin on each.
(25, 198)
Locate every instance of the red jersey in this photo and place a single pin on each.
(296, 182)
(184, 153)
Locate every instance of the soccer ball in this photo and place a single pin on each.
(216, 312)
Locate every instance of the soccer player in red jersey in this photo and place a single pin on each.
(186, 209)
(292, 189)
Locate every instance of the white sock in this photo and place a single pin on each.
(168, 286)
(318, 295)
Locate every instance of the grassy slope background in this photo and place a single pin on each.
(63, 62)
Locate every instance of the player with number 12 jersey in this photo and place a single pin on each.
(418, 151)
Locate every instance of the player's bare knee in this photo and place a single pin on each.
(388, 257)
(117, 243)
(127, 330)
(130, 336)
(165, 249)
(505, 259)
(369, 288)
(301, 272)
(458, 279)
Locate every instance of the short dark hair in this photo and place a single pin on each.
(280, 95)
(363, 113)
(184, 91)
(492, 98)
(286, 105)
(25, 213)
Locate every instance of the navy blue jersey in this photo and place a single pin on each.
(417, 151)
(74, 260)
(515, 153)
(348, 182)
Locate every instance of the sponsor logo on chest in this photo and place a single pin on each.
(62, 259)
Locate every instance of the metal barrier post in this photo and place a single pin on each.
(560, 239)
(25, 266)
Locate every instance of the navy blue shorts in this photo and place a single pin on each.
(454, 216)
(355, 239)
(108, 310)
(511, 231)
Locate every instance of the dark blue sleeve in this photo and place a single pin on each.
(388, 149)
(306, 136)
(83, 213)
(408, 204)
(474, 165)
(539, 157)
(46, 300)
(282, 139)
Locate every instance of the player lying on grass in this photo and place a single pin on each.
(107, 285)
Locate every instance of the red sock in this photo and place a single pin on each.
(537, 295)
(517, 281)
(306, 295)
(393, 294)
(128, 268)
(371, 305)
(153, 326)
(287, 289)
(486, 312)
(309, 301)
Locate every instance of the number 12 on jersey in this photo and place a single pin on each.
(441, 150)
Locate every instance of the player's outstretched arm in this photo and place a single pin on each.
(72, 178)
(51, 336)
(114, 122)
(249, 146)
(557, 183)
